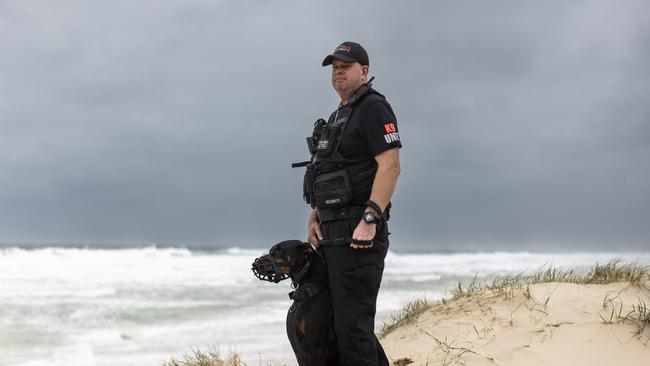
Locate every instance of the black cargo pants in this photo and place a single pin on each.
(354, 278)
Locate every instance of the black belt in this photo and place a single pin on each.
(332, 214)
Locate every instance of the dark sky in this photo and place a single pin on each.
(526, 125)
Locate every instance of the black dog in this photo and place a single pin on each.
(309, 320)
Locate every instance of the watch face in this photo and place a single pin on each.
(368, 217)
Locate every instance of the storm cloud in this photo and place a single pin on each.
(526, 125)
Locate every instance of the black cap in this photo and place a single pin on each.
(348, 52)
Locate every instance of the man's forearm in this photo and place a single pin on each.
(388, 171)
(313, 215)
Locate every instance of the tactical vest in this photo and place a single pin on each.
(332, 181)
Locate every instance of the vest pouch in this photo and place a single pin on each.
(308, 185)
(332, 190)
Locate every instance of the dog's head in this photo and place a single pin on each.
(286, 259)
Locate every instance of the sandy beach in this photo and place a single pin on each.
(540, 324)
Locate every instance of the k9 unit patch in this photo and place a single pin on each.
(391, 133)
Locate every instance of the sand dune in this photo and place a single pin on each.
(539, 324)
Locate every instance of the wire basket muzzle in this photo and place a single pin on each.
(265, 269)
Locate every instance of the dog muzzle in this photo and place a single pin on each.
(265, 269)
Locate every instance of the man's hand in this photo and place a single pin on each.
(365, 232)
(313, 229)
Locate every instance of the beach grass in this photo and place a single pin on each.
(211, 357)
(509, 285)
(639, 317)
(408, 314)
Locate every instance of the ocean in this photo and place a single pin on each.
(143, 306)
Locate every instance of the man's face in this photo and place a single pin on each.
(347, 76)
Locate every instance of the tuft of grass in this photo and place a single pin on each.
(505, 286)
(508, 286)
(615, 304)
(639, 316)
(473, 288)
(407, 315)
(615, 271)
(211, 357)
(552, 274)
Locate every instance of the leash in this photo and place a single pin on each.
(345, 242)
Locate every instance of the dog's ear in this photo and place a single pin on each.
(289, 251)
(307, 248)
(286, 245)
(302, 249)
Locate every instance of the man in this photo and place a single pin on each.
(354, 170)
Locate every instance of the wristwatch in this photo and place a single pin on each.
(370, 218)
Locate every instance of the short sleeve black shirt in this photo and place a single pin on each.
(371, 130)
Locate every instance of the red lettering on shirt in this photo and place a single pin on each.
(390, 127)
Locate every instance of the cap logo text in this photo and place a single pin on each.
(343, 48)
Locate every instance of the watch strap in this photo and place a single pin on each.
(372, 204)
